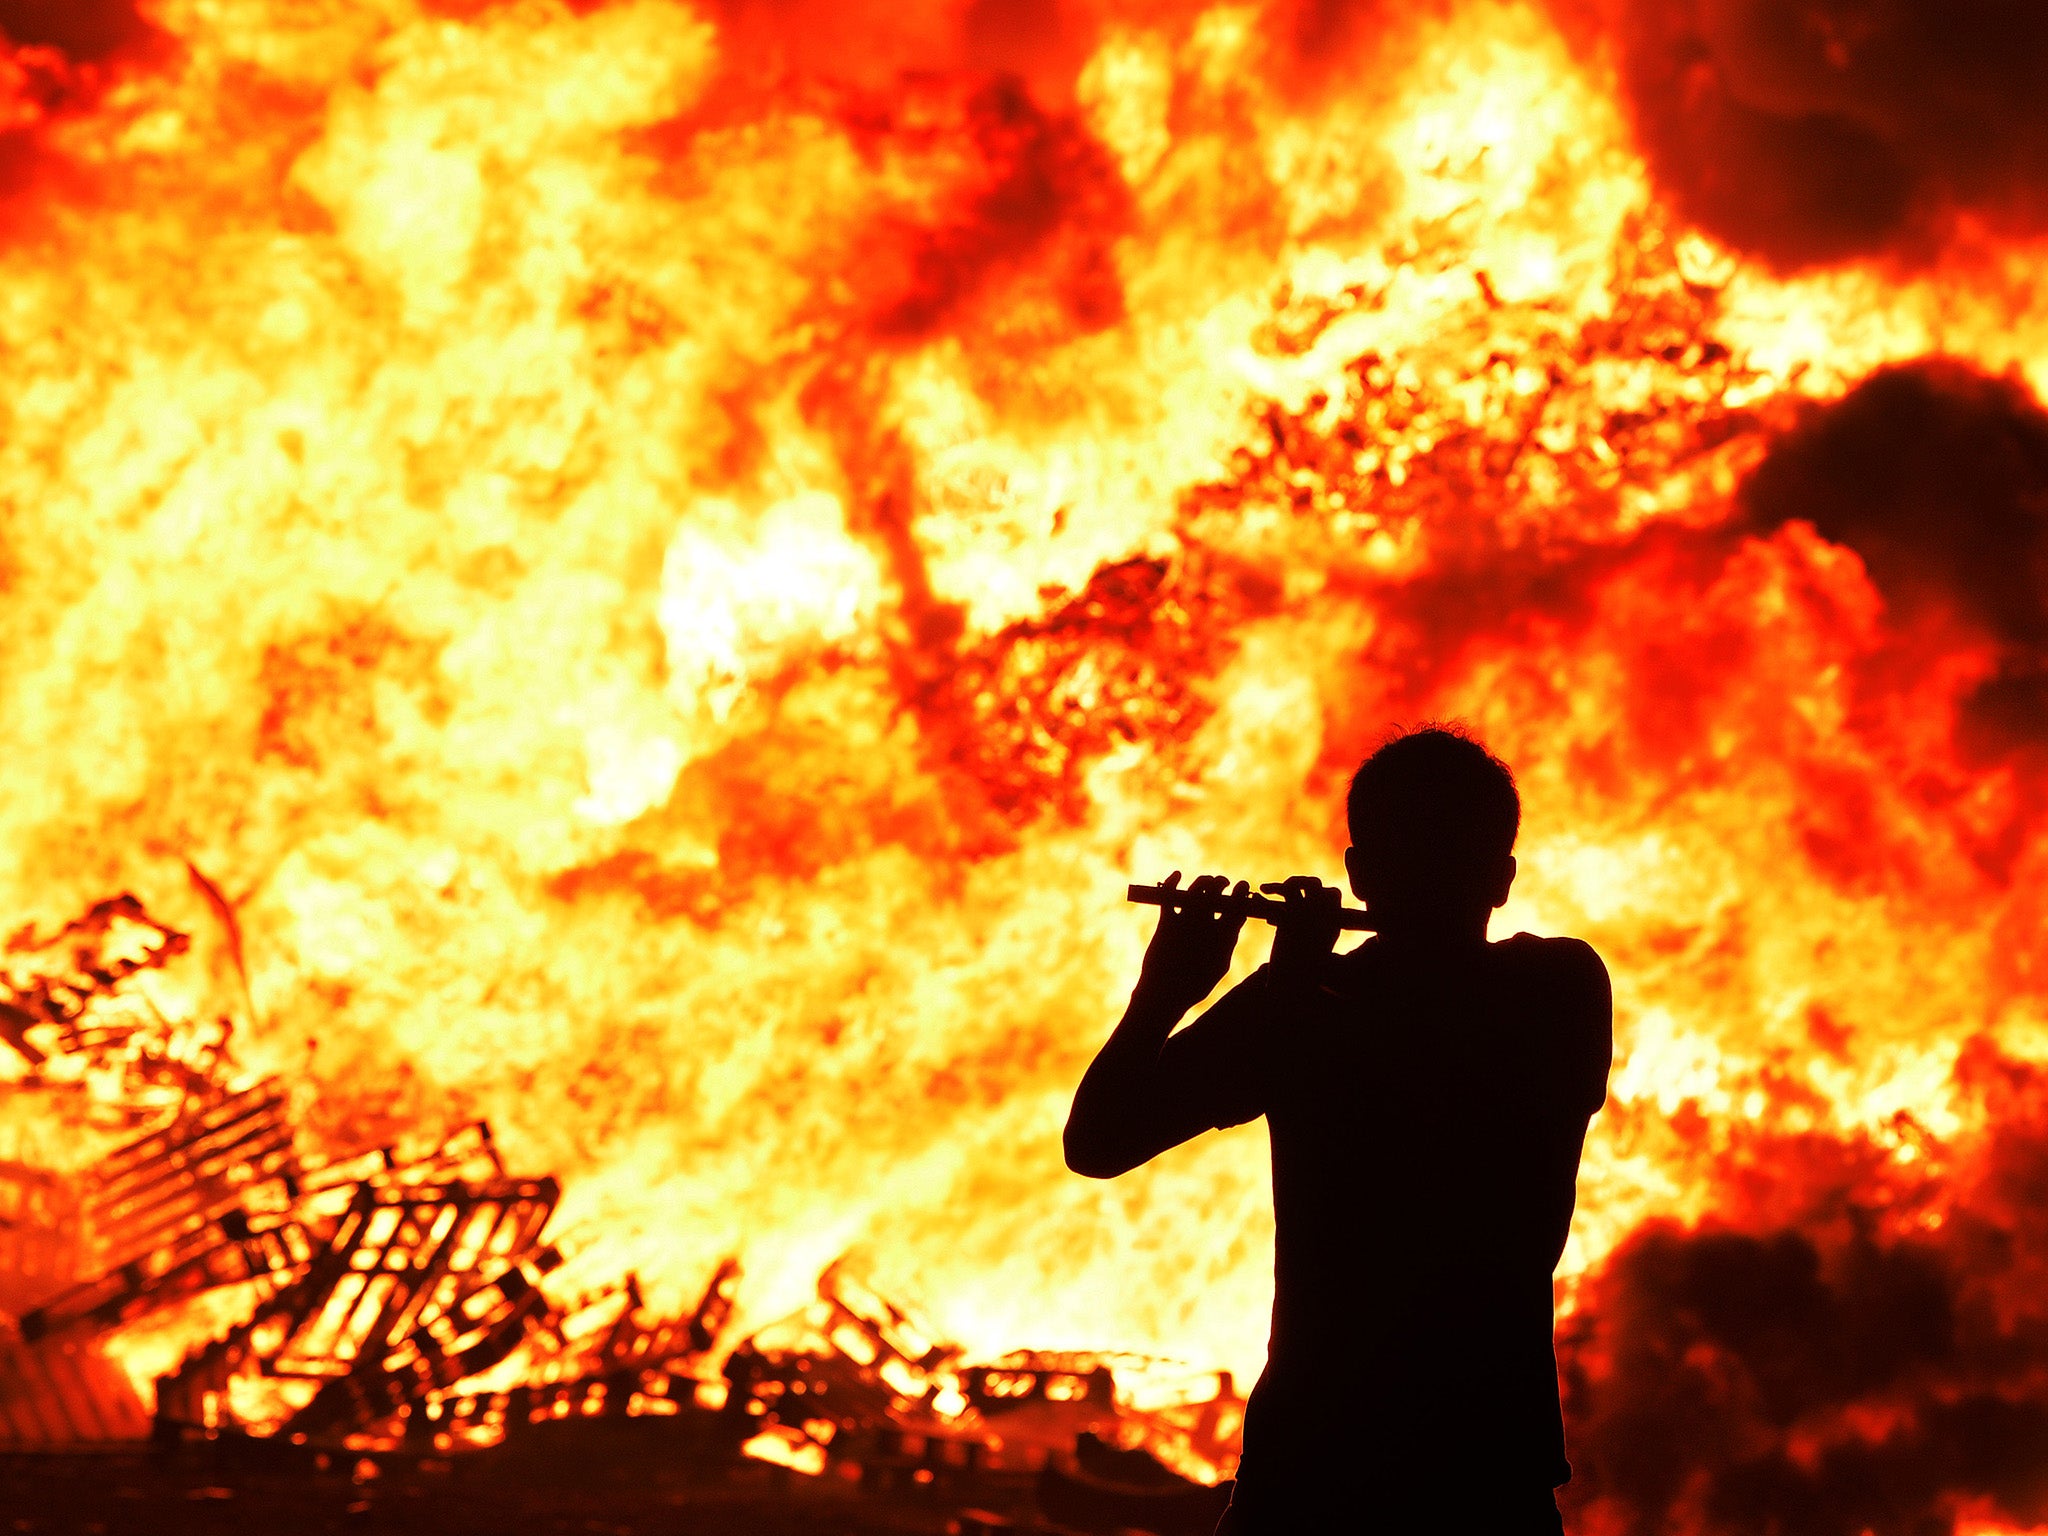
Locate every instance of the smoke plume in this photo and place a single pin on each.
(1874, 1360)
(86, 30)
(1937, 476)
(1825, 130)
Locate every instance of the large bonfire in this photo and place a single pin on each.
(649, 573)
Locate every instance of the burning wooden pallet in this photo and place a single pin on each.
(420, 1287)
(380, 1287)
(633, 1365)
(172, 1212)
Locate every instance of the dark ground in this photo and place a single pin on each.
(633, 1477)
(126, 1498)
(137, 1494)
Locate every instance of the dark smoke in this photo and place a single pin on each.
(1860, 1367)
(1814, 131)
(1937, 476)
(86, 30)
(871, 44)
(60, 57)
(1035, 200)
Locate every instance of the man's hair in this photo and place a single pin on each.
(1435, 795)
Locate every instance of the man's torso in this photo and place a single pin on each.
(1426, 1121)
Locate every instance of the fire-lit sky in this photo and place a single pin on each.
(673, 561)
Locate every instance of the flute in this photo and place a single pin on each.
(1265, 908)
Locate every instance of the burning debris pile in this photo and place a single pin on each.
(395, 1300)
(678, 556)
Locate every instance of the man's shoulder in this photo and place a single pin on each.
(1550, 965)
(1571, 967)
(1566, 982)
(1533, 943)
(1558, 953)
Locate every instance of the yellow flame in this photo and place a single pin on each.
(422, 513)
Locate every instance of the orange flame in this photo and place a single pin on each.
(671, 563)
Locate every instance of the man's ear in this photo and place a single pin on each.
(1507, 881)
(1354, 866)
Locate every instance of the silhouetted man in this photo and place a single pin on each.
(1427, 1097)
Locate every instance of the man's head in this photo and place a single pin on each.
(1433, 821)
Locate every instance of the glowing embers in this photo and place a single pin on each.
(849, 1361)
(1028, 710)
(604, 1357)
(421, 1287)
(65, 1010)
(853, 1382)
(1188, 1421)
(1046, 1400)
(590, 1350)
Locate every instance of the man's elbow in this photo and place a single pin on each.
(1092, 1157)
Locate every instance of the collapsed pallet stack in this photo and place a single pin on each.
(396, 1302)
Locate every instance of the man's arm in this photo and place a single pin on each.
(1588, 1000)
(1585, 999)
(1131, 1105)
(1146, 1092)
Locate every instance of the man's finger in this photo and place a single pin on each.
(1297, 885)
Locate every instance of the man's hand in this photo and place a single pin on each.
(1308, 929)
(1190, 951)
